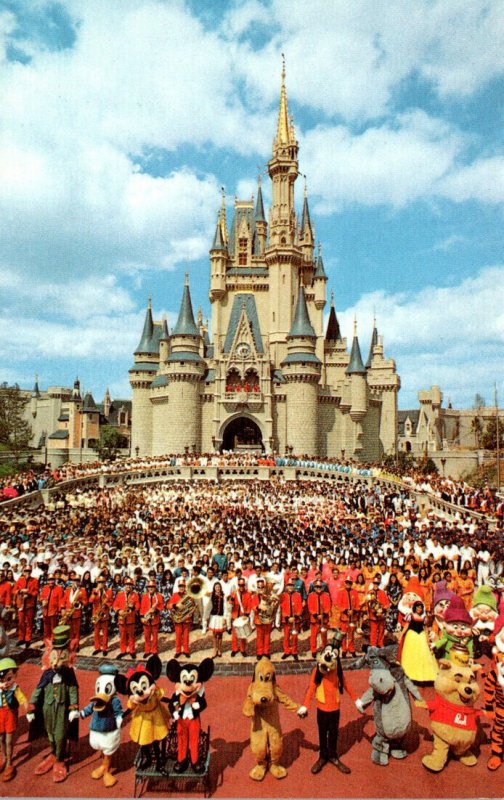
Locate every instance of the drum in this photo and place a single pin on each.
(242, 627)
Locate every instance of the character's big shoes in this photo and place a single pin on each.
(8, 773)
(258, 772)
(60, 771)
(46, 765)
(277, 771)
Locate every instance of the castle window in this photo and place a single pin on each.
(273, 316)
(242, 251)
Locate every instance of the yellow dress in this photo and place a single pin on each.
(417, 660)
(150, 720)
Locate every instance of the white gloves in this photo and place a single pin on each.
(30, 717)
(302, 712)
(73, 715)
(119, 722)
(196, 706)
(359, 706)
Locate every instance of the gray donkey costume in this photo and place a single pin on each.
(388, 688)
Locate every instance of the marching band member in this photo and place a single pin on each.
(51, 599)
(151, 605)
(25, 594)
(319, 606)
(347, 601)
(127, 603)
(377, 603)
(102, 599)
(74, 598)
(241, 606)
(182, 607)
(264, 614)
(291, 608)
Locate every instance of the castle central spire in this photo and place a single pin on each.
(283, 136)
(283, 171)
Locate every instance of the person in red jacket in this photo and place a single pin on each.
(25, 594)
(151, 605)
(6, 597)
(102, 601)
(291, 608)
(127, 603)
(377, 603)
(347, 601)
(51, 599)
(74, 599)
(319, 606)
(182, 626)
(263, 619)
(241, 606)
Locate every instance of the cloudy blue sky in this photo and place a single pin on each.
(121, 119)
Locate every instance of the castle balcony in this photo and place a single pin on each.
(243, 398)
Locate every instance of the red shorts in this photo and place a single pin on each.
(8, 720)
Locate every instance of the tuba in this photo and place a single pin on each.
(184, 609)
(268, 605)
(197, 587)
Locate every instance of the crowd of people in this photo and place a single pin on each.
(238, 559)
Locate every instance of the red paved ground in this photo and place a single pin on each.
(232, 759)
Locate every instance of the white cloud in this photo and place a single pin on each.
(450, 336)
(483, 180)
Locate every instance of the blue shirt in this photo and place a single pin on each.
(104, 721)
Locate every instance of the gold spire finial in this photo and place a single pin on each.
(187, 279)
(283, 131)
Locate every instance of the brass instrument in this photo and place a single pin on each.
(123, 612)
(100, 613)
(197, 587)
(147, 617)
(184, 609)
(66, 614)
(268, 605)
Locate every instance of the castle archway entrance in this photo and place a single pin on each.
(243, 435)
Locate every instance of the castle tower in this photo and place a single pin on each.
(181, 427)
(283, 256)
(106, 404)
(301, 369)
(358, 391)
(142, 373)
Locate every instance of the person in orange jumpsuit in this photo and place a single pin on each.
(182, 629)
(319, 606)
(127, 603)
(377, 604)
(25, 593)
(102, 601)
(151, 605)
(347, 600)
(263, 627)
(291, 608)
(74, 598)
(241, 606)
(51, 599)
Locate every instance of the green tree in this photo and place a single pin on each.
(489, 437)
(15, 430)
(111, 441)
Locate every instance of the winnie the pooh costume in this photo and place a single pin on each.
(261, 704)
(452, 713)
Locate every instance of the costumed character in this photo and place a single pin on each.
(457, 629)
(106, 714)
(389, 690)
(54, 704)
(452, 713)
(412, 592)
(498, 635)
(327, 683)
(483, 614)
(186, 705)
(493, 690)
(440, 602)
(101, 599)
(261, 705)
(11, 697)
(415, 655)
(150, 717)
(319, 607)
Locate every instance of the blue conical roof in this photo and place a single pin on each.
(374, 340)
(145, 343)
(301, 325)
(333, 332)
(259, 209)
(355, 367)
(320, 271)
(305, 220)
(218, 242)
(186, 325)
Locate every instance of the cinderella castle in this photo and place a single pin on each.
(270, 375)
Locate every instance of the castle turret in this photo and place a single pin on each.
(301, 371)
(260, 222)
(374, 342)
(106, 404)
(164, 341)
(358, 391)
(141, 375)
(35, 395)
(184, 370)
